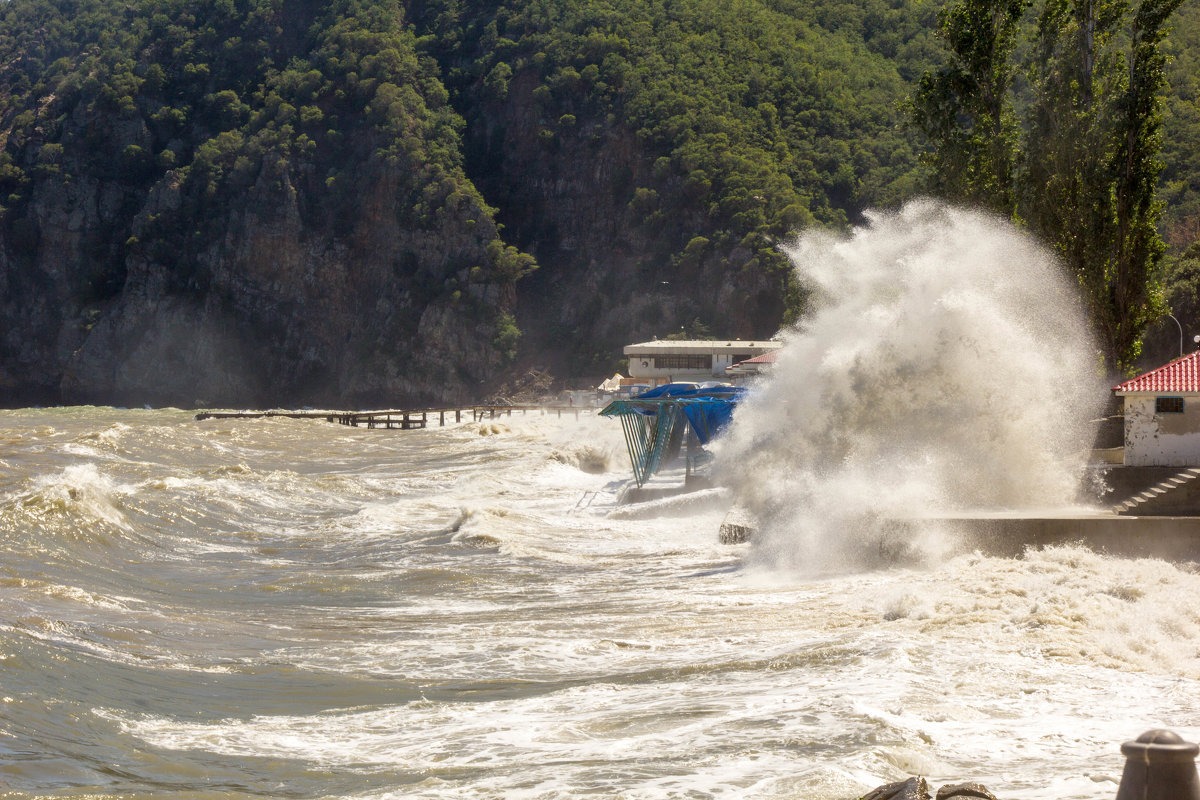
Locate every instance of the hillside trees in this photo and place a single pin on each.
(326, 185)
(1180, 181)
(702, 133)
(276, 168)
(1087, 167)
(1093, 157)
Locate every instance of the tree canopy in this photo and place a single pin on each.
(570, 174)
(1085, 170)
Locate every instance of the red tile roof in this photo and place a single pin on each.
(1180, 376)
(765, 358)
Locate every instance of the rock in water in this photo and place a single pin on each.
(918, 789)
(737, 527)
(911, 789)
(964, 790)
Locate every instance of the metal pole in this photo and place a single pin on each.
(1172, 316)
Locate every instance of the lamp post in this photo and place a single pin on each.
(1172, 316)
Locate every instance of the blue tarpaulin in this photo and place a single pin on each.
(649, 420)
(708, 417)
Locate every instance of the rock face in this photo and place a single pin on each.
(270, 311)
(612, 270)
(278, 219)
(293, 202)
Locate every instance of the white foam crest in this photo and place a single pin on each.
(722, 735)
(109, 436)
(587, 457)
(946, 366)
(1065, 605)
(79, 492)
(607, 733)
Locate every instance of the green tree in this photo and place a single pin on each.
(965, 108)
(1084, 175)
(1092, 158)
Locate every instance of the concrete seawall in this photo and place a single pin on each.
(1168, 538)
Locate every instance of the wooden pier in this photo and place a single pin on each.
(402, 419)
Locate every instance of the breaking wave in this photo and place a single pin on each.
(946, 367)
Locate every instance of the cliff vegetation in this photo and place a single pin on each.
(363, 202)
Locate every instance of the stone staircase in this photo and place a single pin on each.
(1174, 495)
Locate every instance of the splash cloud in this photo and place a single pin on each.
(946, 366)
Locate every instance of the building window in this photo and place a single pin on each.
(683, 362)
(1168, 405)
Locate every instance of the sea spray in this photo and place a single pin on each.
(945, 367)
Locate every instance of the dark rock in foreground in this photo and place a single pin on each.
(918, 789)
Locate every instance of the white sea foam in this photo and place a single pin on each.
(80, 493)
(945, 367)
(434, 614)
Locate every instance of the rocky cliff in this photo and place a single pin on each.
(182, 227)
(384, 202)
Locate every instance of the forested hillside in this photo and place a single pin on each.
(367, 202)
(256, 202)
(650, 154)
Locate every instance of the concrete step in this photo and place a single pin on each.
(1146, 501)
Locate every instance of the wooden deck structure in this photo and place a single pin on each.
(402, 419)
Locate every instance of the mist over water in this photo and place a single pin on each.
(946, 367)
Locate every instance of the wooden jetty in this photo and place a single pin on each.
(402, 419)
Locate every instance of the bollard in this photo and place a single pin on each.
(1159, 765)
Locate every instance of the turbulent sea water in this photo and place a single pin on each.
(297, 609)
(292, 608)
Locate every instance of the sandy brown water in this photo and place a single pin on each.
(289, 608)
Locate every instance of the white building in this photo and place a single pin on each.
(1162, 415)
(666, 361)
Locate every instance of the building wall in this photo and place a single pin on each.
(1161, 440)
(719, 356)
(636, 370)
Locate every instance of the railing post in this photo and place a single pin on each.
(1159, 765)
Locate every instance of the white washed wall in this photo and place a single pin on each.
(1161, 440)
